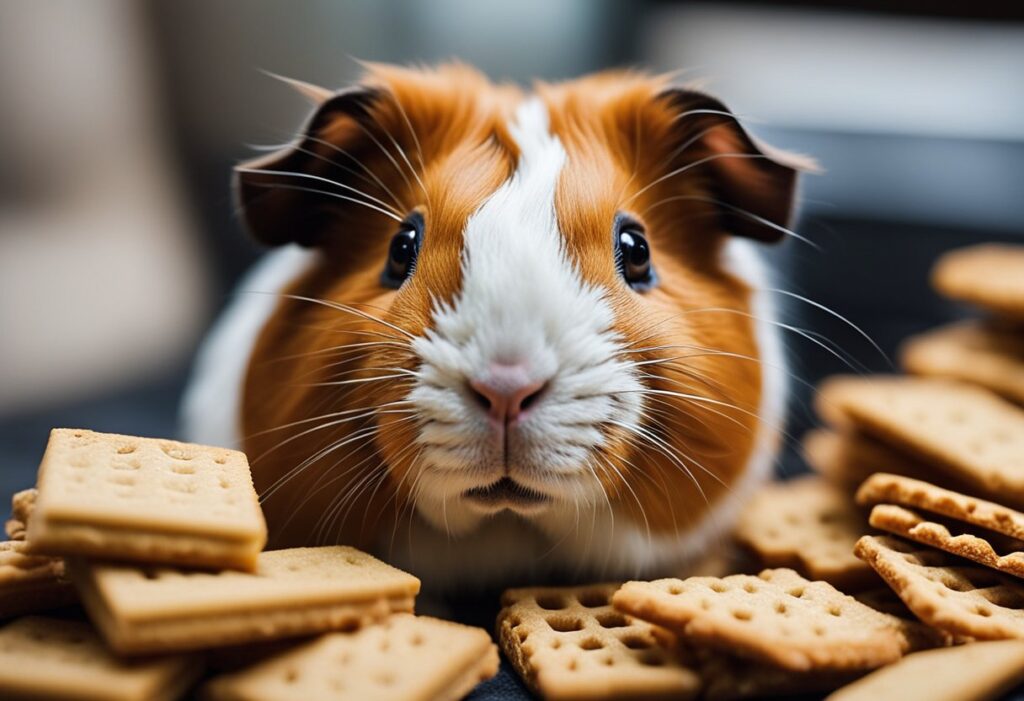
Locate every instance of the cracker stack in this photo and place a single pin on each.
(161, 544)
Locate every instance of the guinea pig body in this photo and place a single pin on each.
(506, 335)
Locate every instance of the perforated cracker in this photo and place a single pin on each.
(146, 499)
(31, 583)
(990, 276)
(973, 352)
(46, 658)
(293, 592)
(569, 643)
(729, 678)
(22, 504)
(947, 592)
(965, 430)
(942, 675)
(809, 525)
(778, 618)
(848, 458)
(404, 657)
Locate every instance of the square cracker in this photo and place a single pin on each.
(778, 618)
(569, 643)
(967, 431)
(938, 675)
(146, 499)
(404, 657)
(22, 505)
(293, 592)
(811, 526)
(990, 276)
(946, 592)
(48, 658)
(970, 351)
(31, 583)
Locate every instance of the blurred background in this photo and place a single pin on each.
(120, 121)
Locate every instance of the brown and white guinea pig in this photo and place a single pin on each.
(505, 334)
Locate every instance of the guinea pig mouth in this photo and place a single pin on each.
(506, 493)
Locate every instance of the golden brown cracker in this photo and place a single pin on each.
(778, 618)
(729, 678)
(403, 657)
(47, 658)
(295, 592)
(973, 352)
(809, 525)
(973, 672)
(145, 499)
(989, 275)
(22, 504)
(946, 592)
(569, 643)
(966, 431)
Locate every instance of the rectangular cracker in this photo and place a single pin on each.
(811, 526)
(946, 592)
(31, 583)
(293, 592)
(942, 675)
(49, 658)
(569, 643)
(729, 678)
(777, 618)
(965, 430)
(404, 657)
(989, 275)
(146, 500)
(992, 550)
(970, 351)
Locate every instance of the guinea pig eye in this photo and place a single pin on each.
(402, 252)
(634, 255)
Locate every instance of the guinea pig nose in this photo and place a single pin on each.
(506, 391)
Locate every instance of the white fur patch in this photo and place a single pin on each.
(522, 301)
(210, 409)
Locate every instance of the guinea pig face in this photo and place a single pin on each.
(539, 290)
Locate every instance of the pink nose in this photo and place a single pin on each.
(506, 391)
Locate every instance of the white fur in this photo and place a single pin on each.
(210, 410)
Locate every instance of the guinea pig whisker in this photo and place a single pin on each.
(691, 166)
(346, 308)
(666, 450)
(378, 204)
(341, 349)
(333, 414)
(362, 380)
(401, 151)
(387, 152)
(369, 172)
(739, 210)
(623, 481)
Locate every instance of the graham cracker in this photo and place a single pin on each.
(293, 592)
(146, 500)
(990, 276)
(848, 458)
(48, 658)
(973, 672)
(569, 643)
(950, 536)
(777, 618)
(22, 504)
(31, 583)
(809, 525)
(946, 592)
(412, 658)
(970, 351)
(965, 430)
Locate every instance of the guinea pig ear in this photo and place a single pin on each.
(278, 194)
(754, 184)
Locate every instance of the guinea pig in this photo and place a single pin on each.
(505, 335)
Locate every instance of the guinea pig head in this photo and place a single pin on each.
(525, 304)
